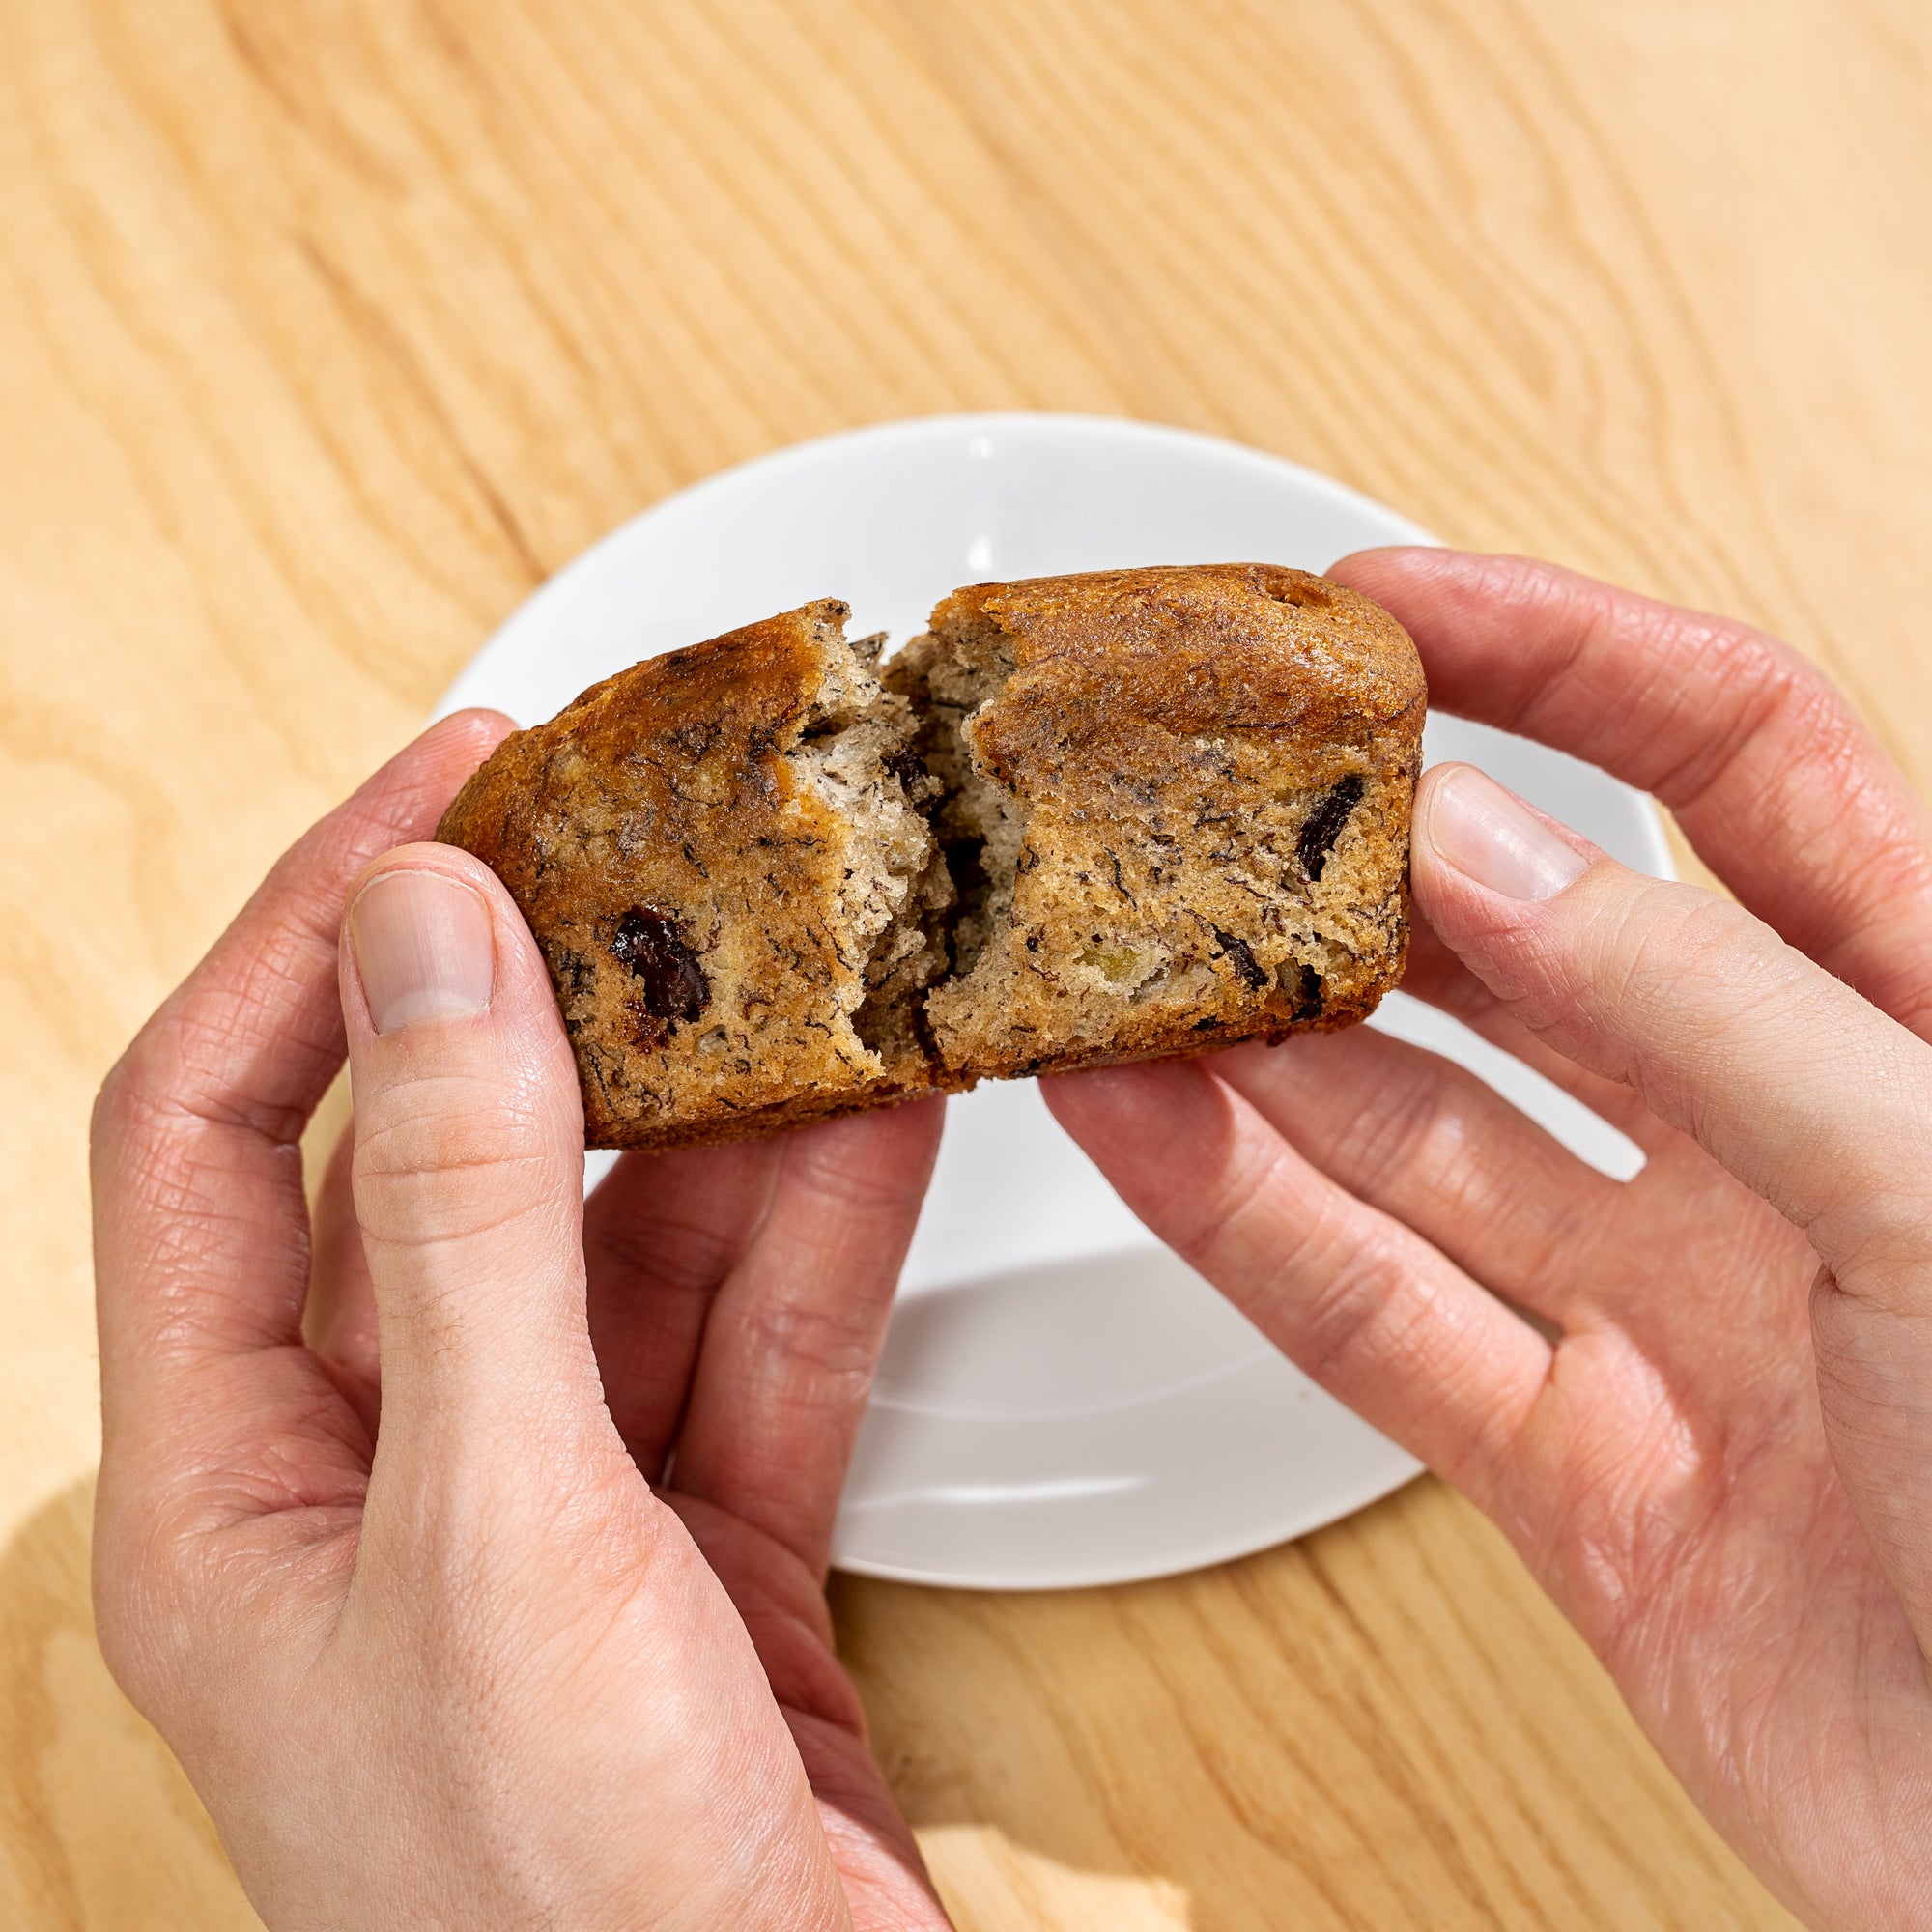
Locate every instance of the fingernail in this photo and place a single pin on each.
(1486, 833)
(424, 948)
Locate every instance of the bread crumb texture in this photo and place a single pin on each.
(1083, 820)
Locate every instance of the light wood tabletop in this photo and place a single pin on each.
(326, 332)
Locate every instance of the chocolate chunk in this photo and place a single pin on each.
(1237, 952)
(675, 988)
(1308, 995)
(1318, 836)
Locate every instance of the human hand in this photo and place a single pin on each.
(400, 1594)
(1720, 1464)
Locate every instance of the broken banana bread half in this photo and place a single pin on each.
(725, 856)
(1082, 820)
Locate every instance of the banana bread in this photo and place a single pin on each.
(725, 856)
(1176, 806)
(1081, 820)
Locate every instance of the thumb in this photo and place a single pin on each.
(1809, 1095)
(468, 1177)
(1781, 1072)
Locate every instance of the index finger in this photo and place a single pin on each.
(201, 1251)
(795, 1328)
(1770, 772)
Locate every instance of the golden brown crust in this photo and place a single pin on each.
(677, 873)
(1188, 649)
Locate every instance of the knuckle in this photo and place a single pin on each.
(1435, 1127)
(1778, 699)
(445, 1124)
(1641, 965)
(131, 1109)
(143, 1612)
(112, 1117)
(1201, 1221)
(159, 1164)
(858, 1191)
(1347, 1315)
(677, 1255)
(1668, 937)
(442, 1160)
(834, 1343)
(1416, 1125)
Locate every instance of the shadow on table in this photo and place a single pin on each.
(98, 1829)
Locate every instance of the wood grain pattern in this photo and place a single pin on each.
(328, 330)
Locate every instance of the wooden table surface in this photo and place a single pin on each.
(328, 330)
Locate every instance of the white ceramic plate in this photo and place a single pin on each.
(1061, 1402)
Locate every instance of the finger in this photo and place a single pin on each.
(1360, 1303)
(469, 1174)
(1725, 1032)
(200, 1222)
(795, 1331)
(660, 1235)
(339, 1316)
(1770, 773)
(1805, 1093)
(782, 1602)
(1428, 1142)
(1438, 978)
